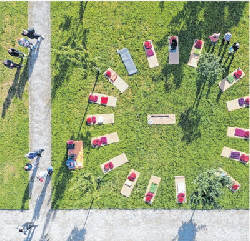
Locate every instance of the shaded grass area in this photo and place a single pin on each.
(14, 121)
(87, 34)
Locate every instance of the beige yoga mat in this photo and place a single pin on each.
(231, 131)
(119, 83)
(155, 180)
(180, 187)
(117, 162)
(224, 84)
(111, 100)
(232, 179)
(111, 138)
(107, 118)
(152, 60)
(128, 185)
(234, 104)
(226, 152)
(174, 55)
(194, 58)
(161, 119)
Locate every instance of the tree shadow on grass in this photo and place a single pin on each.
(62, 177)
(64, 174)
(189, 25)
(161, 5)
(86, 110)
(189, 122)
(188, 230)
(72, 53)
(86, 140)
(229, 58)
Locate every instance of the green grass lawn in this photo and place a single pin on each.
(87, 34)
(14, 121)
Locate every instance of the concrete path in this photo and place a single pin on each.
(98, 225)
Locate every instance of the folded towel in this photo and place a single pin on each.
(104, 100)
(180, 188)
(150, 53)
(235, 155)
(197, 51)
(128, 183)
(241, 101)
(230, 79)
(239, 132)
(153, 188)
(100, 119)
(104, 140)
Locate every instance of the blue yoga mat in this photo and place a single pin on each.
(127, 60)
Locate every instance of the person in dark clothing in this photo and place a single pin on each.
(236, 46)
(16, 53)
(10, 64)
(50, 171)
(30, 33)
(28, 167)
(25, 227)
(173, 43)
(32, 155)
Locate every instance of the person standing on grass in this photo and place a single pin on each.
(30, 33)
(25, 43)
(234, 48)
(214, 38)
(227, 38)
(10, 64)
(16, 53)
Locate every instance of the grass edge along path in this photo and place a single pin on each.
(14, 131)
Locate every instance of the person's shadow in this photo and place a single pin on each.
(31, 233)
(33, 55)
(33, 175)
(11, 92)
(188, 230)
(77, 235)
(40, 199)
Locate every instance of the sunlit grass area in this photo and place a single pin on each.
(14, 121)
(87, 34)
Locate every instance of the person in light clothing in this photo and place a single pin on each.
(214, 38)
(227, 38)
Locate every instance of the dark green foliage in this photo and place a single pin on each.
(209, 68)
(207, 189)
(188, 148)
